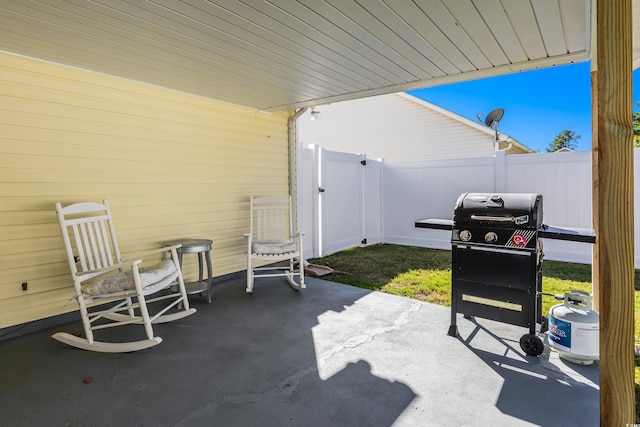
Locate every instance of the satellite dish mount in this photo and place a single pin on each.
(493, 118)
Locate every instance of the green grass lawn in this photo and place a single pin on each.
(425, 274)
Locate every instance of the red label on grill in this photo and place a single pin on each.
(518, 240)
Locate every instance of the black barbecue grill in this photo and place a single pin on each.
(496, 260)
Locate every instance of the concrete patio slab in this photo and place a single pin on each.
(329, 355)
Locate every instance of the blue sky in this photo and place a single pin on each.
(537, 104)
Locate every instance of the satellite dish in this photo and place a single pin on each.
(492, 120)
(494, 117)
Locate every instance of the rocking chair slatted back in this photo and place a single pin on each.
(94, 237)
(271, 220)
(92, 243)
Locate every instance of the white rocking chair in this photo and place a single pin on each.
(271, 240)
(102, 276)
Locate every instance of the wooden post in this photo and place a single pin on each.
(613, 210)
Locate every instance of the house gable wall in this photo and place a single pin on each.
(171, 164)
(395, 128)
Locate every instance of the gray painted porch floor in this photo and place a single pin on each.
(329, 355)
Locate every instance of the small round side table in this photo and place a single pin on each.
(200, 247)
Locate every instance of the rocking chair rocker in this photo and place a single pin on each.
(102, 276)
(271, 240)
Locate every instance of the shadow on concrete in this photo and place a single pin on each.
(537, 389)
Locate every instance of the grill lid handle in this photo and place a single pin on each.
(518, 220)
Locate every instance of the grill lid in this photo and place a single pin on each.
(506, 210)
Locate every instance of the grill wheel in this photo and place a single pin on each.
(532, 345)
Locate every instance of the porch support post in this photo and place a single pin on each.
(294, 166)
(613, 209)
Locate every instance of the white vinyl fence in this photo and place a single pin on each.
(348, 200)
(341, 199)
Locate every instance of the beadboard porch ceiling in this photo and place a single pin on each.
(274, 55)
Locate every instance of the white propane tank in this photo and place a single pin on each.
(574, 328)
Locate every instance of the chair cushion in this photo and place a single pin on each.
(274, 248)
(163, 273)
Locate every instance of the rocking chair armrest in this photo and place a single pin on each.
(99, 271)
(151, 252)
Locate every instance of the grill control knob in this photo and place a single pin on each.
(491, 237)
(465, 235)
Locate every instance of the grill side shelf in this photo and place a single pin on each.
(436, 224)
(584, 235)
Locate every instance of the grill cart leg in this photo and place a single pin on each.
(530, 343)
(453, 329)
